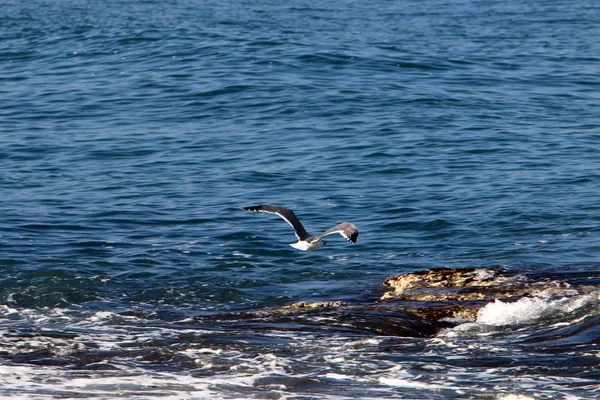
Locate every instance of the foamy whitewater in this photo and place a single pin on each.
(111, 355)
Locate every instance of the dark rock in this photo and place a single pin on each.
(418, 304)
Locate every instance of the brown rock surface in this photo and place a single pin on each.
(417, 304)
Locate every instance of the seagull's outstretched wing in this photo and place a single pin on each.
(346, 229)
(287, 214)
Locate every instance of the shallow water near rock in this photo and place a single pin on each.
(453, 134)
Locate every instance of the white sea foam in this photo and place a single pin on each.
(229, 370)
(504, 313)
(7, 310)
(530, 309)
(399, 377)
(101, 316)
(515, 397)
(484, 273)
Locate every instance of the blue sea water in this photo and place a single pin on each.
(463, 134)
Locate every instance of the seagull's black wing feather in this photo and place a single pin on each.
(287, 214)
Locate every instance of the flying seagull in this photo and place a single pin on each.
(306, 241)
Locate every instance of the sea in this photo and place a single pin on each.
(451, 133)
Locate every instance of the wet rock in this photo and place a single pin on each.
(468, 284)
(382, 321)
(445, 278)
(437, 310)
(417, 304)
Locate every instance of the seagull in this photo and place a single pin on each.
(306, 241)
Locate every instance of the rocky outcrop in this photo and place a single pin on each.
(417, 304)
(470, 284)
(403, 285)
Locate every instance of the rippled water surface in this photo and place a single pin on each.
(451, 133)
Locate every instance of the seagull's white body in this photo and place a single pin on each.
(306, 241)
(308, 246)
